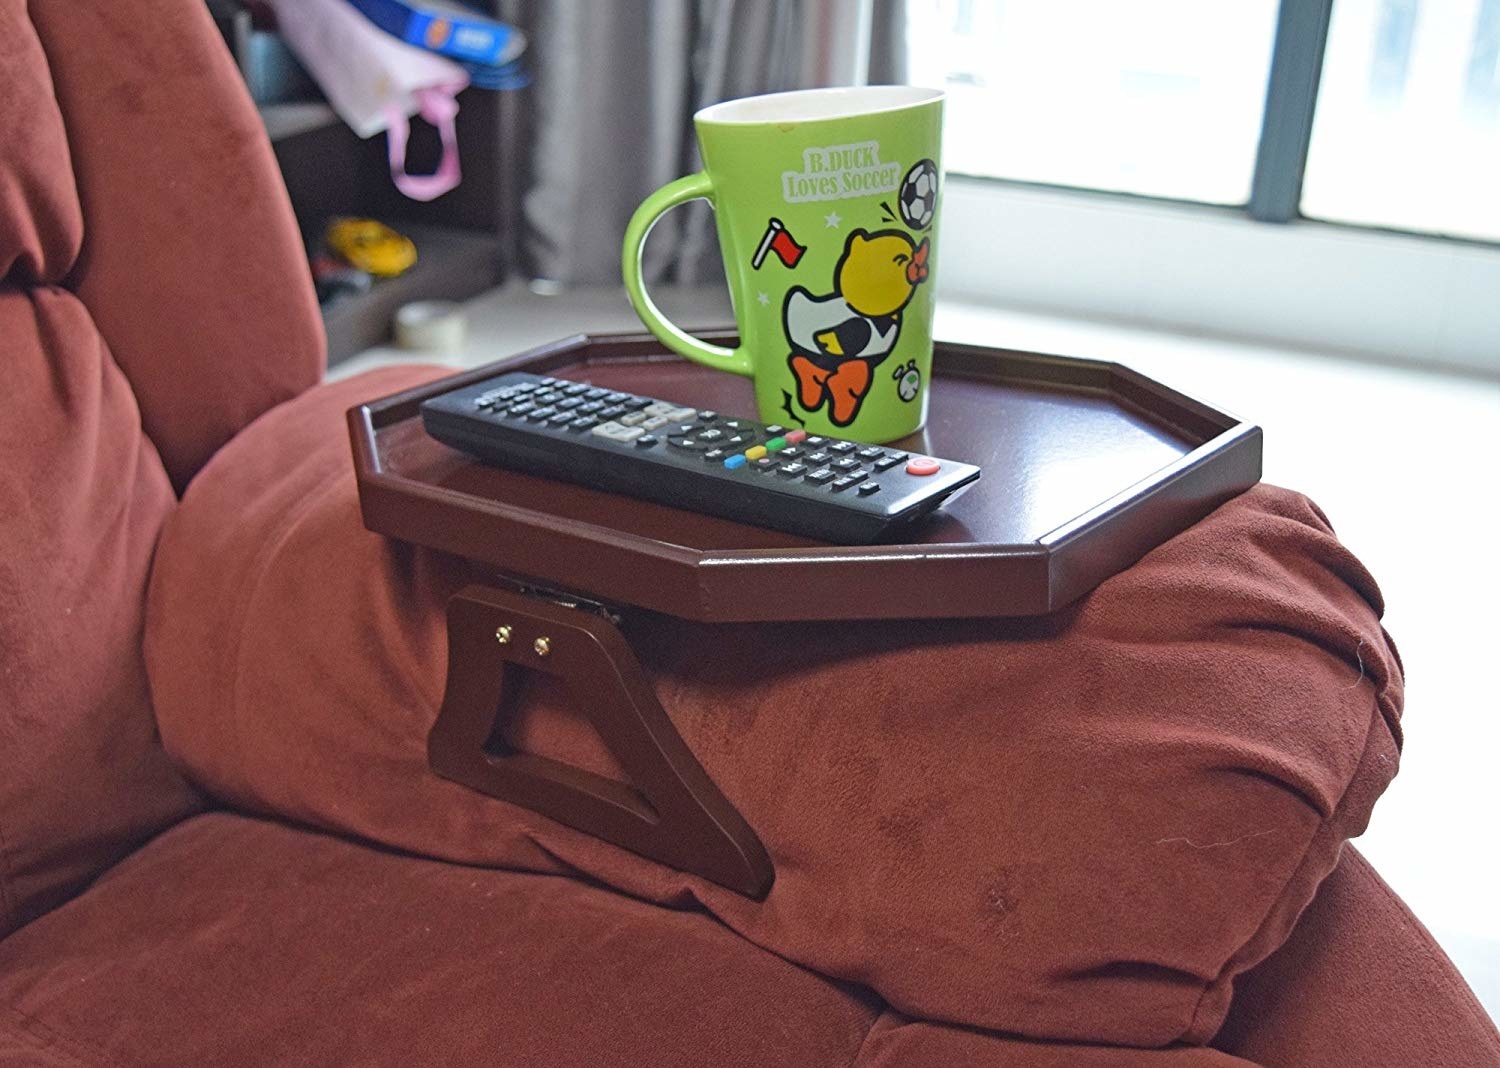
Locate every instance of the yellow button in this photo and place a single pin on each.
(755, 453)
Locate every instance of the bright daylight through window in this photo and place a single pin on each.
(1407, 133)
(1160, 97)
(1166, 98)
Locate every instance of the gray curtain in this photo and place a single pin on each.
(616, 85)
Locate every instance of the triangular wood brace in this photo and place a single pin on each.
(670, 812)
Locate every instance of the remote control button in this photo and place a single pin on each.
(520, 409)
(765, 464)
(740, 424)
(655, 422)
(844, 483)
(713, 433)
(842, 446)
(734, 441)
(618, 398)
(690, 444)
(635, 404)
(645, 441)
(538, 415)
(678, 415)
(707, 417)
(660, 408)
(597, 394)
(867, 488)
(821, 475)
(569, 404)
(756, 453)
(615, 432)
(633, 419)
(614, 411)
(561, 419)
(591, 407)
(889, 462)
(795, 436)
(848, 463)
(791, 470)
(870, 454)
(922, 465)
(789, 452)
(683, 428)
(822, 456)
(815, 441)
(713, 456)
(776, 444)
(549, 398)
(583, 422)
(737, 460)
(775, 429)
(577, 388)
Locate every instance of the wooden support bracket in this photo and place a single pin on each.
(670, 811)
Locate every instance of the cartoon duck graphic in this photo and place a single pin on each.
(838, 340)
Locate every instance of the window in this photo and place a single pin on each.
(1167, 98)
(1159, 97)
(1407, 133)
(1245, 128)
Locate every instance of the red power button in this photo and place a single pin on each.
(922, 465)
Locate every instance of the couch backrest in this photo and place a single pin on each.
(191, 264)
(153, 299)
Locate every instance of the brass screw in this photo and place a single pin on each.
(502, 635)
(543, 646)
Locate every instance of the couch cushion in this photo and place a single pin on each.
(82, 498)
(232, 941)
(191, 264)
(41, 222)
(1075, 828)
(83, 777)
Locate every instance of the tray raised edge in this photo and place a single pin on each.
(890, 581)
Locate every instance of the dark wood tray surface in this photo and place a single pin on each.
(1087, 466)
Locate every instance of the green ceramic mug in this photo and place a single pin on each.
(826, 202)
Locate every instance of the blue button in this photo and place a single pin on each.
(738, 460)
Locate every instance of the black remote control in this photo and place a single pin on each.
(768, 475)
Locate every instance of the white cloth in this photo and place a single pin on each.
(376, 82)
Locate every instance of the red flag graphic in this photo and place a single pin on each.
(778, 239)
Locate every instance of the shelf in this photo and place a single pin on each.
(288, 120)
(451, 265)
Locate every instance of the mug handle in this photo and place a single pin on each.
(693, 187)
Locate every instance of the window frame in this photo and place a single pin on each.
(1291, 100)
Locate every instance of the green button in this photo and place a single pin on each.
(776, 444)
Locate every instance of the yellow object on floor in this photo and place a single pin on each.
(371, 246)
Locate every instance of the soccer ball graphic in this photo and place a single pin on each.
(918, 196)
(908, 381)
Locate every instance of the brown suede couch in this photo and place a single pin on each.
(1114, 836)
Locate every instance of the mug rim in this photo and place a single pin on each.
(817, 105)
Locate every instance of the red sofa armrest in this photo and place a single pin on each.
(1360, 981)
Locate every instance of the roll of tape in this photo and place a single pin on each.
(431, 326)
